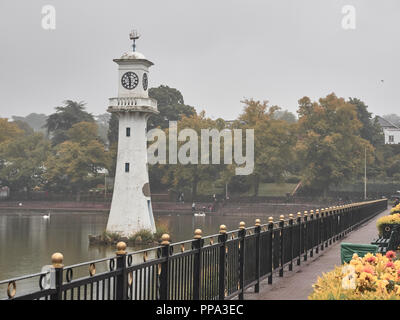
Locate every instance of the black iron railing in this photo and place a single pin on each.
(215, 267)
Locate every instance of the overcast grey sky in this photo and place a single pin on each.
(215, 52)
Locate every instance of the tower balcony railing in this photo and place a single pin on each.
(133, 104)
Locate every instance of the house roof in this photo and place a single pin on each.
(386, 123)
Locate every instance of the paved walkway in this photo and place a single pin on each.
(297, 284)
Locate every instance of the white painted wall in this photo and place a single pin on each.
(392, 132)
(131, 209)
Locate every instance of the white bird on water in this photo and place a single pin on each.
(200, 214)
(46, 216)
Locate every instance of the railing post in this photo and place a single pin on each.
(121, 289)
(322, 226)
(291, 241)
(257, 231)
(300, 226)
(311, 232)
(318, 233)
(271, 239)
(222, 261)
(305, 237)
(164, 285)
(197, 244)
(331, 214)
(281, 245)
(57, 262)
(241, 236)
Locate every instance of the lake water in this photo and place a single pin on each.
(27, 241)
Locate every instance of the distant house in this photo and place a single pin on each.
(4, 193)
(391, 131)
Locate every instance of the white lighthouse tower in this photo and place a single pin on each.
(131, 208)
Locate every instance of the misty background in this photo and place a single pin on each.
(215, 52)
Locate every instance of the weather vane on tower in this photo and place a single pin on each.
(134, 35)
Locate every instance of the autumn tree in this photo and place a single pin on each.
(190, 175)
(274, 141)
(9, 130)
(330, 147)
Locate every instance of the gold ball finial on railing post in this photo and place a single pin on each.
(197, 234)
(242, 225)
(271, 220)
(222, 229)
(281, 217)
(291, 216)
(121, 248)
(257, 223)
(165, 239)
(57, 260)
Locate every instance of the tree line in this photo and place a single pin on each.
(323, 146)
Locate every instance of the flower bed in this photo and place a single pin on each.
(382, 222)
(373, 277)
(395, 209)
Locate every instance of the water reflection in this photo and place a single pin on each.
(27, 241)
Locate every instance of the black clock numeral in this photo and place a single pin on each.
(130, 80)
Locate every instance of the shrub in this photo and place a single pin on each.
(391, 219)
(161, 229)
(374, 277)
(143, 236)
(396, 209)
(111, 236)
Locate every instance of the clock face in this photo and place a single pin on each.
(145, 81)
(130, 80)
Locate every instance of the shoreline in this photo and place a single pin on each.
(165, 209)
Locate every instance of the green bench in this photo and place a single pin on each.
(348, 249)
(386, 243)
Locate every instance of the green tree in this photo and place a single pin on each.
(112, 133)
(170, 105)
(23, 161)
(103, 121)
(285, 115)
(330, 147)
(58, 123)
(370, 129)
(24, 126)
(35, 120)
(75, 163)
(189, 176)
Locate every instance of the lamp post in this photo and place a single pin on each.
(365, 174)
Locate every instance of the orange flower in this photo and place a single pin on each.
(369, 269)
(390, 254)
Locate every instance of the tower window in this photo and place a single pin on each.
(391, 138)
(128, 132)
(127, 167)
